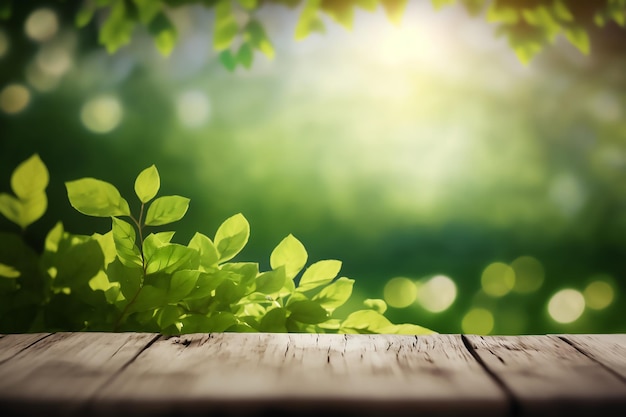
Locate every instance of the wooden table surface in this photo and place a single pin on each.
(308, 374)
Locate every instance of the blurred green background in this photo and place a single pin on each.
(473, 193)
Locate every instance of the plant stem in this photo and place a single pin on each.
(139, 225)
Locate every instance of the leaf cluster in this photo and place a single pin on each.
(238, 31)
(131, 280)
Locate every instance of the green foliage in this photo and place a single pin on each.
(131, 280)
(237, 32)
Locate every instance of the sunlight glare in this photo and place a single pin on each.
(41, 25)
(498, 279)
(529, 274)
(566, 306)
(14, 98)
(478, 321)
(400, 292)
(599, 295)
(437, 294)
(193, 108)
(101, 114)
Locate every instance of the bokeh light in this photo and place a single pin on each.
(498, 279)
(437, 294)
(54, 60)
(4, 44)
(400, 292)
(529, 274)
(14, 98)
(41, 25)
(566, 306)
(478, 321)
(102, 114)
(193, 108)
(599, 295)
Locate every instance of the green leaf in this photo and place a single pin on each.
(380, 306)
(96, 198)
(394, 9)
(364, 321)
(205, 284)
(220, 322)
(243, 273)
(369, 5)
(168, 315)
(245, 55)
(78, 264)
(231, 237)
(562, 11)
(171, 257)
(147, 184)
(54, 236)
(228, 60)
(7, 271)
(274, 321)
(256, 36)
(23, 212)
(318, 274)
(229, 292)
(248, 4)
(116, 31)
(411, 329)
(336, 294)
(11, 208)
(309, 20)
(309, 312)
(579, 38)
(341, 11)
(182, 283)
(129, 278)
(84, 15)
(291, 254)
(124, 238)
(208, 253)
(166, 210)
(149, 298)
(30, 178)
(226, 27)
(164, 33)
(270, 282)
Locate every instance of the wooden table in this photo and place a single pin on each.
(294, 374)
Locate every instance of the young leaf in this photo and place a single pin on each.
(96, 198)
(412, 329)
(23, 212)
(229, 293)
(182, 283)
(318, 274)
(124, 238)
(7, 271)
(117, 29)
(84, 15)
(205, 284)
(129, 278)
(309, 312)
(364, 321)
(231, 237)
(166, 210)
(394, 9)
(11, 208)
(309, 20)
(228, 60)
(291, 254)
(226, 27)
(377, 305)
(147, 184)
(245, 55)
(30, 178)
(149, 298)
(207, 250)
(271, 281)
(336, 294)
(171, 257)
(164, 33)
(274, 321)
(168, 315)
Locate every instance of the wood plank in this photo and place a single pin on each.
(62, 371)
(608, 349)
(547, 376)
(12, 344)
(261, 373)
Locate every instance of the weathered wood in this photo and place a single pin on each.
(11, 345)
(547, 376)
(262, 373)
(608, 349)
(62, 371)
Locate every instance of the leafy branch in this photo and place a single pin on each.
(125, 280)
(238, 32)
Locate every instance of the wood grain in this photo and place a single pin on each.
(62, 371)
(358, 374)
(608, 349)
(547, 376)
(11, 345)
